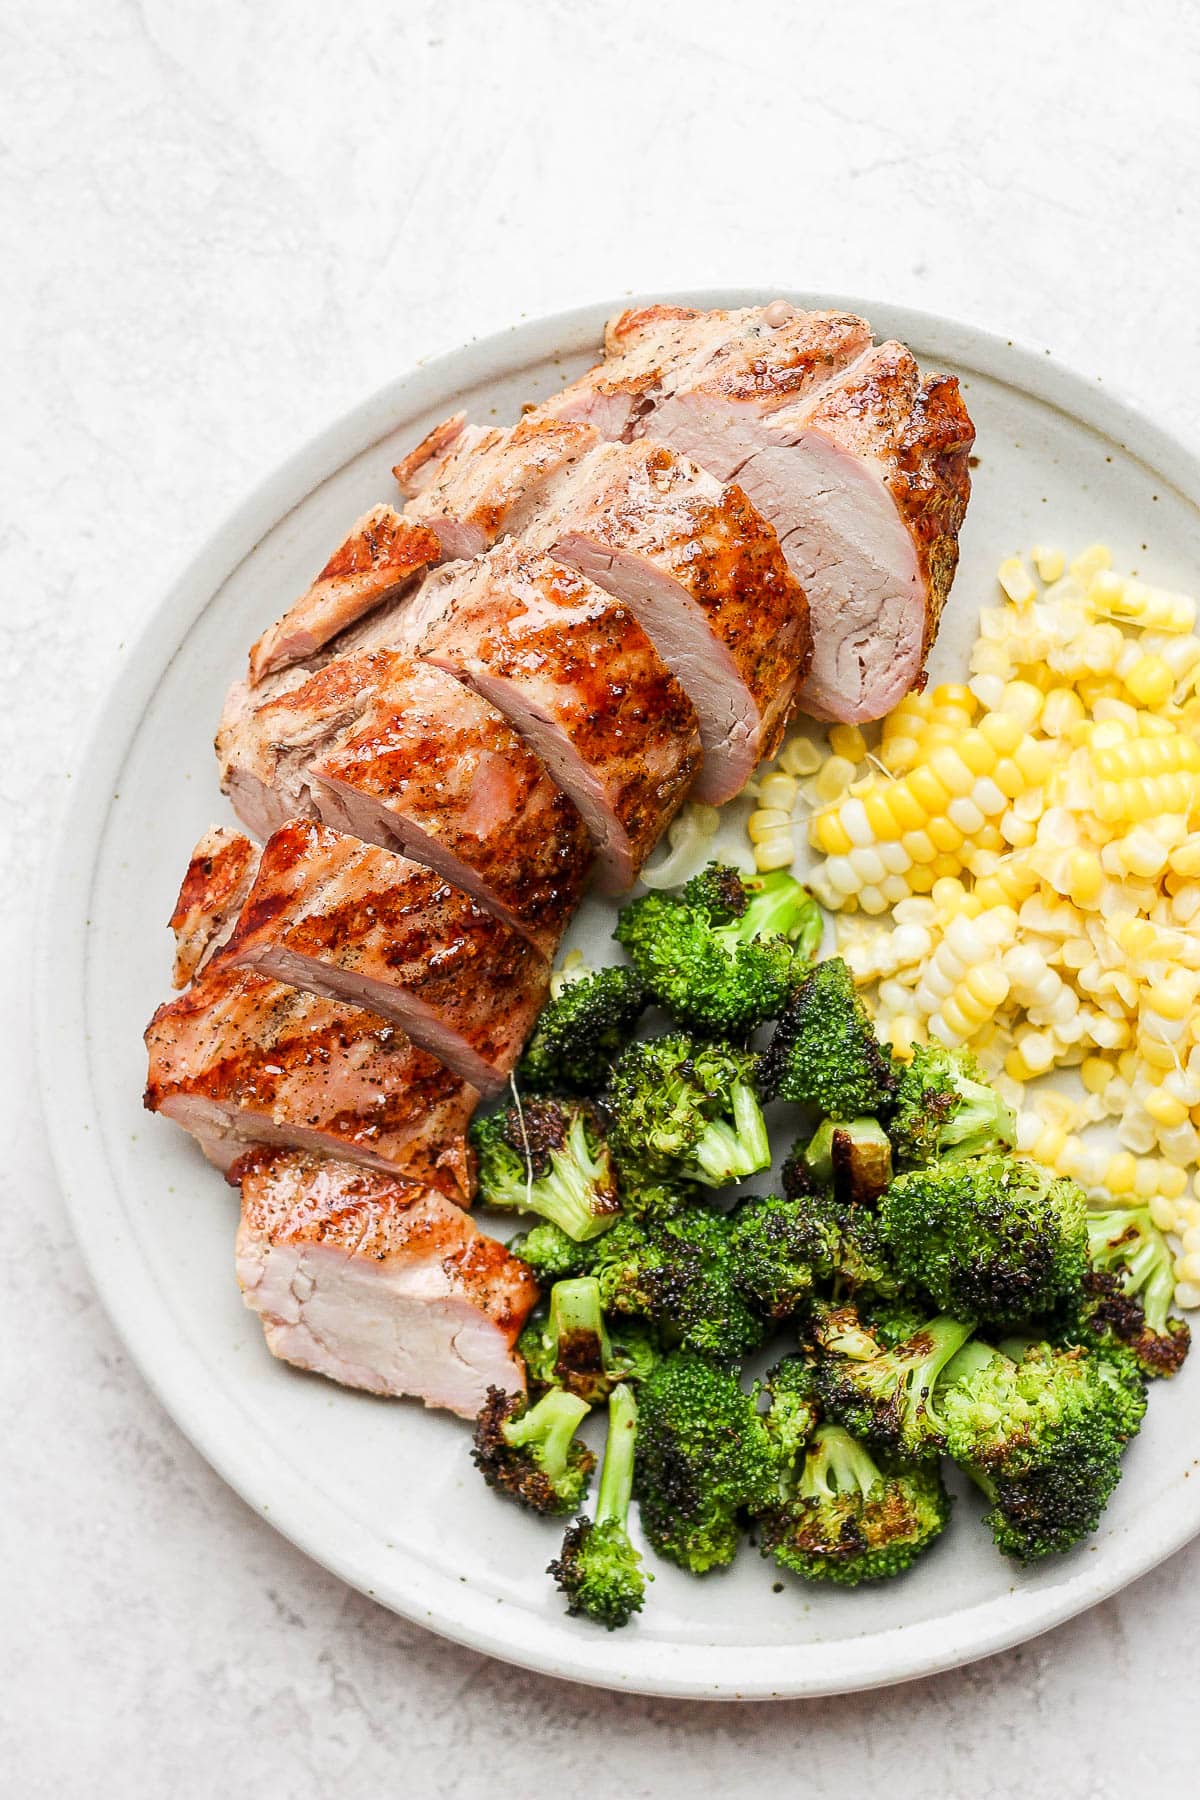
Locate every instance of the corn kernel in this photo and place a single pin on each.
(801, 756)
(847, 741)
(1048, 563)
(776, 852)
(1121, 1174)
(1096, 1072)
(767, 822)
(1016, 581)
(777, 789)
(1162, 1212)
(834, 777)
(1150, 681)
(1172, 1181)
(1164, 1109)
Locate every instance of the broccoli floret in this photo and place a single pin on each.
(679, 1274)
(599, 1570)
(891, 1320)
(571, 1346)
(1042, 1437)
(722, 953)
(530, 1452)
(550, 1157)
(861, 1264)
(682, 1108)
(793, 1412)
(848, 1518)
(781, 1250)
(704, 1456)
(888, 1397)
(993, 1238)
(646, 1196)
(824, 1052)
(945, 1109)
(551, 1254)
(581, 1029)
(854, 1158)
(1128, 1291)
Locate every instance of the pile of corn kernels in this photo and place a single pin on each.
(1015, 866)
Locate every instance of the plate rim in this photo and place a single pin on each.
(170, 1366)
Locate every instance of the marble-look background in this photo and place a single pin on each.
(222, 225)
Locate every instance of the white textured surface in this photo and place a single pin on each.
(224, 225)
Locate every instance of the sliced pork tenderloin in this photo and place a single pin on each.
(380, 559)
(219, 874)
(239, 1059)
(355, 923)
(472, 487)
(704, 575)
(583, 684)
(379, 1283)
(859, 462)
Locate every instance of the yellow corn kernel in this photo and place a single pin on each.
(1024, 700)
(976, 752)
(1150, 681)
(834, 777)
(1145, 1181)
(1095, 557)
(906, 810)
(767, 822)
(920, 878)
(776, 852)
(1096, 1072)
(1172, 1181)
(800, 756)
(1163, 1212)
(904, 1033)
(1120, 1176)
(1048, 1144)
(847, 741)
(990, 838)
(1048, 563)
(777, 789)
(1154, 1051)
(1164, 1109)
(1016, 581)
(1035, 759)
(1173, 997)
(1185, 858)
(947, 838)
(927, 791)
(1084, 877)
(919, 846)
(987, 987)
(951, 770)
(1062, 710)
(826, 832)
(1003, 731)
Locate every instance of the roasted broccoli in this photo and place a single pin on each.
(1042, 1437)
(704, 1457)
(945, 1109)
(550, 1157)
(551, 1254)
(993, 1238)
(887, 1397)
(861, 1264)
(581, 1029)
(847, 1518)
(680, 1274)
(722, 953)
(571, 1346)
(1128, 1290)
(793, 1411)
(530, 1452)
(781, 1250)
(685, 1109)
(853, 1157)
(599, 1570)
(824, 1053)
(652, 1196)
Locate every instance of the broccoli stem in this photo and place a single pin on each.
(616, 1477)
(837, 1463)
(548, 1429)
(780, 908)
(566, 1194)
(727, 1152)
(577, 1324)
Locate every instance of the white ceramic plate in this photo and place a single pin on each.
(384, 1493)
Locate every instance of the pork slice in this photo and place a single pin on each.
(355, 923)
(239, 1059)
(867, 482)
(381, 557)
(584, 685)
(488, 484)
(704, 575)
(760, 357)
(379, 1282)
(218, 879)
(433, 770)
